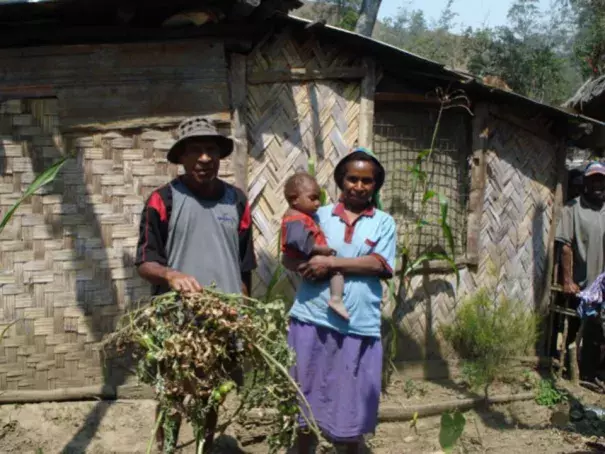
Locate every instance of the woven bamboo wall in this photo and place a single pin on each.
(67, 256)
(518, 207)
(288, 122)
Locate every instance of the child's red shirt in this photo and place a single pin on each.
(299, 233)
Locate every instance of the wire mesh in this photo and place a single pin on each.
(400, 134)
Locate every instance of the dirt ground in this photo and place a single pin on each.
(125, 426)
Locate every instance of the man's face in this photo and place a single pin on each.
(595, 187)
(201, 160)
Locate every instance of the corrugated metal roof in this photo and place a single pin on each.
(393, 59)
(399, 59)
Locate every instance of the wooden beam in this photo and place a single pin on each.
(405, 97)
(480, 132)
(41, 35)
(304, 74)
(140, 123)
(561, 154)
(366, 104)
(27, 91)
(439, 267)
(237, 83)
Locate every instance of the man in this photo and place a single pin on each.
(581, 233)
(196, 230)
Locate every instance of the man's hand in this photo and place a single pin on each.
(182, 282)
(571, 288)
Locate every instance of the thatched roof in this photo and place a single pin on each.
(589, 100)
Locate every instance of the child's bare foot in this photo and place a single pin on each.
(337, 306)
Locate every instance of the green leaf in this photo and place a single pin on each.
(41, 180)
(451, 430)
(311, 166)
(445, 227)
(424, 153)
(277, 274)
(417, 173)
(421, 223)
(323, 197)
(444, 206)
(415, 264)
(428, 195)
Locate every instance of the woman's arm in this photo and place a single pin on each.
(379, 262)
(319, 267)
(368, 265)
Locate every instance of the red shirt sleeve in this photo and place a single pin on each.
(153, 230)
(246, 242)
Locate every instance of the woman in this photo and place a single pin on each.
(339, 362)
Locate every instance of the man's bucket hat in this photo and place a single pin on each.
(201, 127)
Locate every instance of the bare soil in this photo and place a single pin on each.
(125, 426)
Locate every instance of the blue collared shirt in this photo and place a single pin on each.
(373, 233)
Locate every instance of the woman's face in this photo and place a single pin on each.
(359, 183)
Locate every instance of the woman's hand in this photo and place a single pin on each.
(317, 267)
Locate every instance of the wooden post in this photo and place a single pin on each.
(366, 105)
(556, 215)
(564, 339)
(237, 82)
(547, 296)
(480, 132)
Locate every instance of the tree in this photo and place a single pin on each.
(437, 41)
(526, 53)
(367, 17)
(589, 38)
(340, 13)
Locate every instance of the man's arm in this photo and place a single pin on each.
(151, 259)
(246, 283)
(246, 244)
(569, 286)
(564, 236)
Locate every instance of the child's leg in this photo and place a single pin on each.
(337, 286)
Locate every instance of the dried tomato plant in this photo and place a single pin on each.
(186, 347)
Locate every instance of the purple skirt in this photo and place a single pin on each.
(340, 376)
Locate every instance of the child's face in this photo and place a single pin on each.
(307, 200)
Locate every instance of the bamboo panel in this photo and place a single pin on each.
(518, 207)
(67, 257)
(288, 123)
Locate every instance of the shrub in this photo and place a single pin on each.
(487, 333)
(548, 395)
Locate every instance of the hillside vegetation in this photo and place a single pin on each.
(541, 54)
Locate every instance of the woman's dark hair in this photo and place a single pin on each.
(341, 169)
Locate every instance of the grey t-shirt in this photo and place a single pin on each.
(210, 240)
(582, 226)
(203, 238)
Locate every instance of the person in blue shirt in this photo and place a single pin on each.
(339, 362)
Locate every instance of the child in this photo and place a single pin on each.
(301, 237)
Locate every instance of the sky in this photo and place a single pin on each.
(475, 13)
